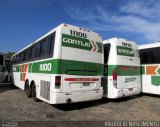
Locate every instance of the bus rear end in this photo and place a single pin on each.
(123, 69)
(128, 77)
(80, 65)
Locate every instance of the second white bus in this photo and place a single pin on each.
(121, 68)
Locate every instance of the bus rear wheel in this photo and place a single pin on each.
(28, 90)
(34, 93)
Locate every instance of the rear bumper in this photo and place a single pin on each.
(72, 97)
(120, 93)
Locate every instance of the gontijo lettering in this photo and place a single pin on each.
(125, 51)
(76, 42)
(81, 43)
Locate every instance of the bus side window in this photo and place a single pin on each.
(24, 55)
(156, 55)
(37, 50)
(43, 51)
(150, 56)
(20, 57)
(33, 52)
(145, 57)
(51, 44)
(12, 59)
(28, 52)
(17, 58)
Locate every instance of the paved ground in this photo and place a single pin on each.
(15, 106)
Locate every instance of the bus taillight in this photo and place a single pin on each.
(57, 81)
(124, 68)
(114, 74)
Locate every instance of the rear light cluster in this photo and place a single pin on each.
(57, 82)
(124, 68)
(114, 75)
(136, 68)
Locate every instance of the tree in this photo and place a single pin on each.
(8, 55)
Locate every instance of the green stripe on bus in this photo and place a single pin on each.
(42, 67)
(155, 80)
(110, 69)
(123, 70)
(81, 68)
(131, 70)
(16, 68)
(143, 69)
(59, 66)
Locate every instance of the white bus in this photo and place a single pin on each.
(3, 68)
(121, 68)
(63, 66)
(150, 67)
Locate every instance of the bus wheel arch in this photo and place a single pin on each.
(27, 89)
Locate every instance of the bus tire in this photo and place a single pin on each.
(28, 90)
(34, 93)
(11, 80)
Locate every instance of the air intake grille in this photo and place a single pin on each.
(45, 89)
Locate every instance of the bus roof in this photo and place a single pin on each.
(50, 32)
(45, 35)
(150, 45)
(117, 39)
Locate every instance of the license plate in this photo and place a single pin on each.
(86, 84)
(130, 89)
